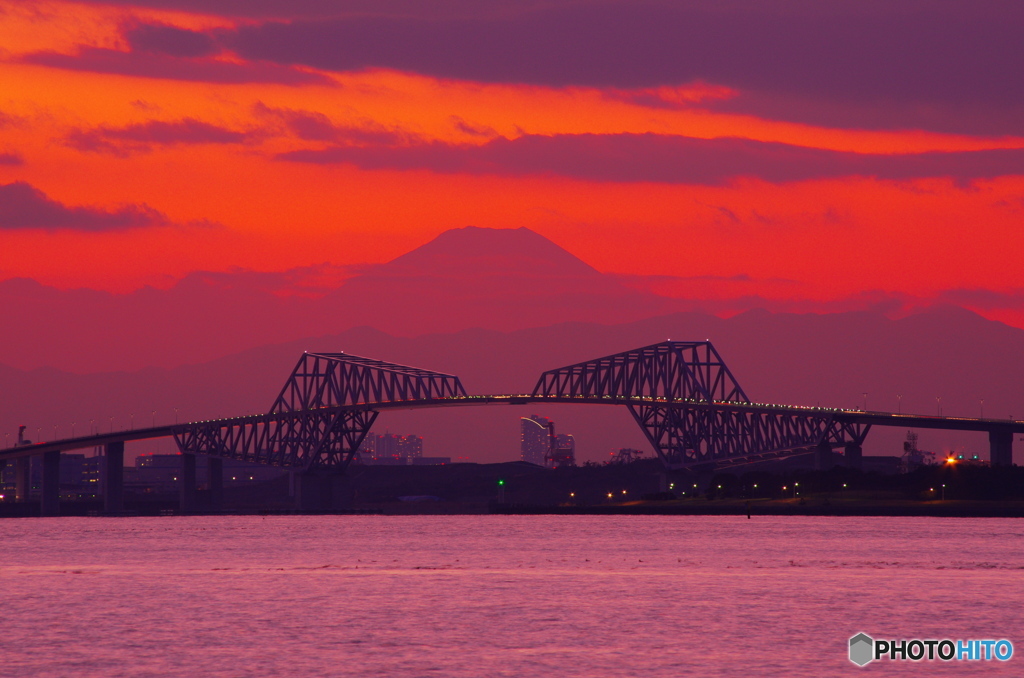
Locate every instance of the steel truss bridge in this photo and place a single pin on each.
(689, 405)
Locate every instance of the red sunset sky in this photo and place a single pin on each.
(838, 153)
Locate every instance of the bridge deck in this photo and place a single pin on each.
(843, 415)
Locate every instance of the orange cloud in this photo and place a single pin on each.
(211, 149)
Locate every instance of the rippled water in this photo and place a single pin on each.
(499, 595)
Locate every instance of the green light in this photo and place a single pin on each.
(501, 482)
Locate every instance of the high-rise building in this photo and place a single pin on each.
(368, 449)
(391, 448)
(387, 446)
(535, 441)
(410, 447)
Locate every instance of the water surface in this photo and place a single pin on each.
(482, 596)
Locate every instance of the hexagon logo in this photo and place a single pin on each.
(862, 648)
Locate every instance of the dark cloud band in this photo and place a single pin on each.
(163, 66)
(22, 206)
(664, 159)
(904, 63)
(142, 137)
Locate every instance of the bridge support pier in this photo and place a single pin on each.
(823, 456)
(1000, 445)
(187, 488)
(215, 475)
(113, 492)
(854, 456)
(22, 465)
(50, 504)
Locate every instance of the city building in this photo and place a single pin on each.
(563, 453)
(391, 449)
(535, 443)
(410, 447)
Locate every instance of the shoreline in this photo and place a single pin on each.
(691, 507)
(938, 509)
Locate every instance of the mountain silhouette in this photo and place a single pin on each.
(488, 251)
(504, 279)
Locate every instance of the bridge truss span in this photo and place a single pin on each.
(341, 379)
(697, 413)
(322, 414)
(682, 395)
(671, 370)
(326, 438)
(689, 406)
(705, 434)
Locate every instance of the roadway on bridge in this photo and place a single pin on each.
(843, 415)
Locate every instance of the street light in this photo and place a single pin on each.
(899, 403)
(865, 401)
(938, 405)
(943, 491)
(982, 401)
